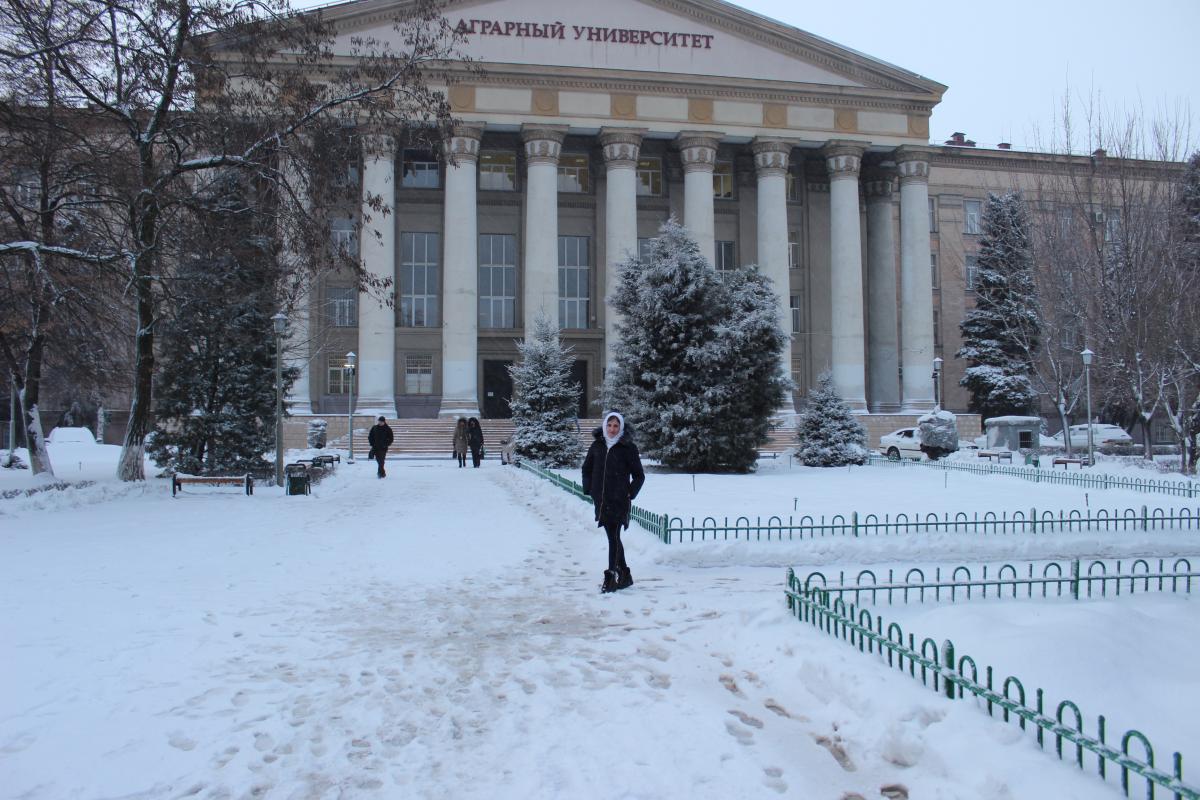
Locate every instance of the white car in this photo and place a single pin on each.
(1102, 434)
(904, 443)
(72, 435)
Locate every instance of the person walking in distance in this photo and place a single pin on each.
(460, 441)
(612, 477)
(475, 440)
(380, 438)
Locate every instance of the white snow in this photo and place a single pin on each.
(439, 634)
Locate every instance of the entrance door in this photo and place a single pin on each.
(579, 374)
(497, 390)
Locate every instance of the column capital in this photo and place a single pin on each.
(843, 158)
(698, 150)
(621, 146)
(771, 156)
(912, 162)
(543, 143)
(378, 144)
(463, 142)
(879, 183)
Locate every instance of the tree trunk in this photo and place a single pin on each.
(1147, 442)
(132, 466)
(1066, 427)
(31, 423)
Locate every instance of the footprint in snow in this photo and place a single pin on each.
(773, 779)
(746, 719)
(181, 742)
(894, 791)
(835, 748)
(729, 683)
(742, 735)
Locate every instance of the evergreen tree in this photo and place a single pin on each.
(829, 433)
(1000, 334)
(544, 399)
(697, 368)
(215, 406)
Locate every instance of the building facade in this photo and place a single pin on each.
(588, 127)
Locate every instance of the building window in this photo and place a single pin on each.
(420, 170)
(933, 215)
(644, 248)
(498, 172)
(343, 307)
(1112, 225)
(972, 216)
(419, 280)
(933, 267)
(723, 180)
(649, 177)
(726, 257)
(497, 280)
(25, 189)
(418, 373)
(1066, 220)
(574, 282)
(937, 328)
(971, 268)
(792, 186)
(794, 303)
(343, 236)
(794, 261)
(573, 174)
(337, 376)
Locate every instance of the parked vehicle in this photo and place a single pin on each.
(73, 435)
(903, 443)
(1102, 434)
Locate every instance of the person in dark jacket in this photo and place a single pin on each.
(380, 438)
(612, 477)
(475, 440)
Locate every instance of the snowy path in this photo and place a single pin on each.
(439, 634)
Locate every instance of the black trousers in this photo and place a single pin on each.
(475, 456)
(380, 456)
(616, 550)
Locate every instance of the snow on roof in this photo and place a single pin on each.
(1013, 421)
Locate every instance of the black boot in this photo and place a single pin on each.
(624, 578)
(610, 581)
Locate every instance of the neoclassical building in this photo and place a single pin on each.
(591, 124)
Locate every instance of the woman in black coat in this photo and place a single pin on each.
(475, 440)
(612, 477)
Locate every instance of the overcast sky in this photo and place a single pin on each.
(1009, 64)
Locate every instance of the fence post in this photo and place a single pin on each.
(854, 522)
(1075, 579)
(948, 662)
(1033, 520)
(1145, 514)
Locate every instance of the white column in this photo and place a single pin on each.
(293, 209)
(883, 346)
(843, 160)
(698, 151)
(621, 147)
(460, 285)
(771, 164)
(916, 283)
(377, 249)
(542, 147)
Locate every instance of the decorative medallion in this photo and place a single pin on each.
(846, 119)
(700, 109)
(545, 101)
(774, 115)
(623, 106)
(462, 98)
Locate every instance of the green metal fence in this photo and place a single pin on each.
(1086, 480)
(655, 523)
(1072, 579)
(941, 666)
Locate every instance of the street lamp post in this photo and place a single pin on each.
(351, 360)
(1087, 356)
(280, 323)
(937, 392)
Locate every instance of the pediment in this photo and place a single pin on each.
(705, 39)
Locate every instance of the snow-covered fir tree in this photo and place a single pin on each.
(1001, 333)
(215, 402)
(697, 369)
(828, 432)
(545, 399)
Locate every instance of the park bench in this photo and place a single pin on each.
(179, 481)
(998, 455)
(1067, 462)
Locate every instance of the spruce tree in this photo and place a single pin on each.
(697, 368)
(1000, 334)
(215, 405)
(544, 399)
(829, 433)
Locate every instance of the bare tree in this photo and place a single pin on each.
(175, 91)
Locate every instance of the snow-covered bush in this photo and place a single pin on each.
(317, 429)
(938, 431)
(697, 371)
(829, 433)
(545, 399)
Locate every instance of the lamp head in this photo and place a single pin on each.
(937, 365)
(351, 359)
(1087, 355)
(280, 323)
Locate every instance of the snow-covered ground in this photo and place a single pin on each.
(439, 634)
